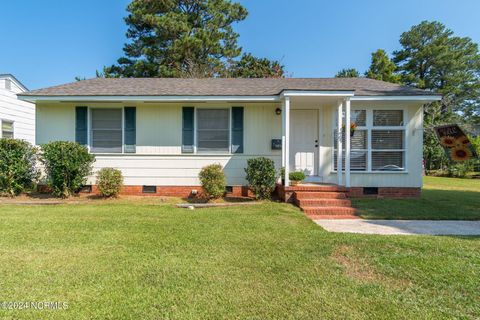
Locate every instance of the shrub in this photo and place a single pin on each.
(68, 164)
(109, 182)
(460, 169)
(296, 176)
(17, 166)
(261, 177)
(213, 181)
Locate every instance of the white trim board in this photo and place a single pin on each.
(274, 98)
(151, 98)
(397, 98)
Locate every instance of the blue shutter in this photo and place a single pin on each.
(188, 119)
(81, 125)
(130, 134)
(237, 129)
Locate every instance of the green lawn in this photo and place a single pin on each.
(142, 261)
(442, 198)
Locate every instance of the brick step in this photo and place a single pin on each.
(323, 203)
(320, 195)
(329, 211)
(314, 188)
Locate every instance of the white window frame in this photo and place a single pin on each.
(195, 128)
(1, 127)
(364, 128)
(369, 127)
(89, 130)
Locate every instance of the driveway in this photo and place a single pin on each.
(402, 227)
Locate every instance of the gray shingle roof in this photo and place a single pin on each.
(222, 87)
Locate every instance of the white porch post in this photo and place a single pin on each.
(347, 143)
(339, 143)
(283, 133)
(286, 138)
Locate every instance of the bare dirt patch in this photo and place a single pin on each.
(357, 268)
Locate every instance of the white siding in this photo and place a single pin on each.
(158, 159)
(412, 177)
(55, 122)
(174, 170)
(22, 113)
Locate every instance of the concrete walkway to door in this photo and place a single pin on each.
(402, 227)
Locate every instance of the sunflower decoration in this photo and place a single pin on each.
(448, 141)
(461, 153)
(462, 141)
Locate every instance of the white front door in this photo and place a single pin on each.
(304, 141)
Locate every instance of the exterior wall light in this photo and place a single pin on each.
(278, 111)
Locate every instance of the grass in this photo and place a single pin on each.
(127, 260)
(442, 198)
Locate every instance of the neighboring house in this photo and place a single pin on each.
(160, 132)
(17, 117)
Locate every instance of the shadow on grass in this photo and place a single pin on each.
(432, 205)
(221, 200)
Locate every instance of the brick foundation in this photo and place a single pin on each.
(286, 194)
(176, 191)
(386, 192)
(283, 193)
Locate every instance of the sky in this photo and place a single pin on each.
(50, 42)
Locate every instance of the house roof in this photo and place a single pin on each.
(12, 78)
(223, 87)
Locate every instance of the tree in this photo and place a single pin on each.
(251, 67)
(348, 73)
(382, 68)
(433, 58)
(178, 38)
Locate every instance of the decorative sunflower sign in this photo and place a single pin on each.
(456, 144)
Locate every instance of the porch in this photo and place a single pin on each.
(315, 130)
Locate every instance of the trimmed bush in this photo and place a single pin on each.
(18, 170)
(261, 177)
(213, 181)
(109, 182)
(296, 176)
(68, 164)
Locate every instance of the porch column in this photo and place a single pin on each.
(339, 143)
(347, 143)
(286, 138)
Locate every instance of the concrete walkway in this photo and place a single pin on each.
(403, 227)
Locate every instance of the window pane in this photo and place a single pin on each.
(385, 139)
(387, 161)
(106, 119)
(213, 119)
(213, 133)
(7, 129)
(106, 130)
(359, 117)
(358, 160)
(7, 126)
(384, 118)
(7, 134)
(358, 141)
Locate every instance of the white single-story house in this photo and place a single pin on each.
(17, 117)
(160, 132)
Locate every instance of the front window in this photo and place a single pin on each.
(387, 136)
(7, 129)
(213, 130)
(106, 130)
(377, 143)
